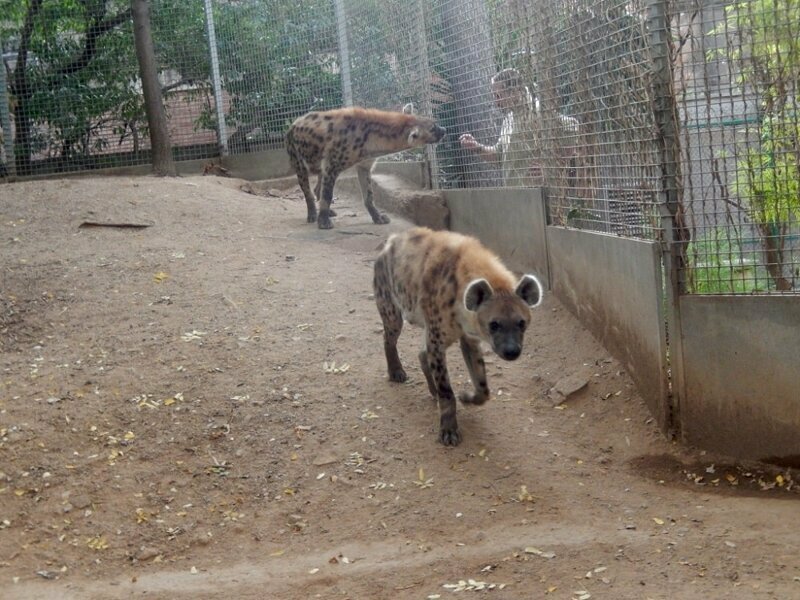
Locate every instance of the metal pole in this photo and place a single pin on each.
(344, 52)
(5, 121)
(426, 107)
(222, 132)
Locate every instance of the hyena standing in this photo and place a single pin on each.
(458, 291)
(327, 143)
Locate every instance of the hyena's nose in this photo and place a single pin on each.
(438, 132)
(510, 351)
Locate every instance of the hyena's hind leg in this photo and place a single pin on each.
(392, 320)
(365, 182)
(317, 189)
(471, 350)
(301, 169)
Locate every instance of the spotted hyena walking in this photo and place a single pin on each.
(327, 143)
(458, 291)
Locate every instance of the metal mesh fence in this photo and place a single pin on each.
(73, 87)
(532, 93)
(737, 67)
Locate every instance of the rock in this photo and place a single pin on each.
(147, 553)
(567, 387)
(81, 501)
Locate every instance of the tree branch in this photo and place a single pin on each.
(18, 83)
(96, 30)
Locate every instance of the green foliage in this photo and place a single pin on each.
(70, 87)
(768, 177)
(278, 59)
(719, 265)
(768, 59)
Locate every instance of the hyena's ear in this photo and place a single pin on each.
(477, 292)
(408, 108)
(530, 290)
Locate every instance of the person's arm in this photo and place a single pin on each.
(487, 153)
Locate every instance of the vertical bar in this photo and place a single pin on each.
(344, 52)
(5, 120)
(216, 80)
(426, 107)
(674, 233)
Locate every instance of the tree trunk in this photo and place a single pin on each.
(469, 69)
(153, 102)
(773, 252)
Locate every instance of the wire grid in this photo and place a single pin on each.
(737, 69)
(279, 59)
(575, 117)
(73, 89)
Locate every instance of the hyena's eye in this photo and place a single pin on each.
(494, 326)
(522, 325)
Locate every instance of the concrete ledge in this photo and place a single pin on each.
(509, 221)
(401, 197)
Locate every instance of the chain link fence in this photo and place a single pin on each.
(532, 93)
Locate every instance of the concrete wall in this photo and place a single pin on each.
(510, 221)
(613, 286)
(265, 164)
(742, 375)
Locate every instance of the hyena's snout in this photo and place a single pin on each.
(438, 132)
(510, 350)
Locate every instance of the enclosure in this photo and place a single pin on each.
(194, 401)
(669, 123)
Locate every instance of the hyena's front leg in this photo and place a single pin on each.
(365, 182)
(471, 349)
(448, 424)
(426, 369)
(392, 321)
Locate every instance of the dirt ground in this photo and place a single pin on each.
(199, 409)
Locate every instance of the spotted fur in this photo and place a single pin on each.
(327, 143)
(458, 291)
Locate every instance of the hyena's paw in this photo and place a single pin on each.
(311, 218)
(332, 212)
(398, 375)
(450, 436)
(381, 219)
(324, 220)
(472, 398)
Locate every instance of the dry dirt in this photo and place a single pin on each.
(168, 428)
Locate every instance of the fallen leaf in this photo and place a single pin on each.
(97, 543)
(160, 277)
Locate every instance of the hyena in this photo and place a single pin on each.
(327, 143)
(457, 290)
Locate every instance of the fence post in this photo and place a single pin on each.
(674, 233)
(222, 131)
(426, 107)
(344, 52)
(5, 121)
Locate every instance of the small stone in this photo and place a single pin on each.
(147, 553)
(81, 501)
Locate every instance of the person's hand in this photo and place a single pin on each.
(468, 142)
